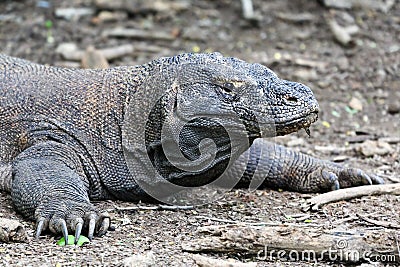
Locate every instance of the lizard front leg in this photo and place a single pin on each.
(275, 166)
(49, 186)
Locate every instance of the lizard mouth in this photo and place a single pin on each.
(266, 130)
(297, 124)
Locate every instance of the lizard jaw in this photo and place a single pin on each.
(297, 124)
(278, 129)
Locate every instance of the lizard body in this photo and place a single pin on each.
(68, 136)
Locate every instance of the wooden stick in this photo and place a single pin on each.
(143, 7)
(138, 34)
(279, 242)
(353, 192)
(248, 11)
(379, 223)
(232, 222)
(247, 8)
(204, 261)
(117, 51)
(155, 207)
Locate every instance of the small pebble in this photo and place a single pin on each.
(355, 104)
(394, 108)
(370, 148)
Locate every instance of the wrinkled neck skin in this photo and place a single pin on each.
(195, 152)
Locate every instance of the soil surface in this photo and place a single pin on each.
(357, 86)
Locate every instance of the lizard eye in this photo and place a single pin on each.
(228, 87)
(227, 91)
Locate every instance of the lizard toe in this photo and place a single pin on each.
(105, 224)
(331, 179)
(349, 177)
(59, 225)
(376, 179)
(97, 224)
(319, 180)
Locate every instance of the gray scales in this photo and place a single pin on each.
(69, 136)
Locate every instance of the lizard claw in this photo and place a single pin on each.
(92, 226)
(63, 226)
(376, 179)
(366, 179)
(39, 227)
(78, 230)
(336, 185)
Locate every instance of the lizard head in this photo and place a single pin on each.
(203, 111)
(227, 100)
(240, 93)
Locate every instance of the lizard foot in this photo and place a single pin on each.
(333, 178)
(68, 215)
(349, 177)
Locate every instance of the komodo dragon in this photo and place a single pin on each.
(63, 134)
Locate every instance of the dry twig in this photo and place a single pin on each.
(379, 223)
(138, 34)
(232, 222)
(353, 192)
(279, 241)
(204, 261)
(155, 207)
(342, 34)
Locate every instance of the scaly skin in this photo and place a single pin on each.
(68, 136)
(275, 166)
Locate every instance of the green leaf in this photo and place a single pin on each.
(307, 220)
(82, 240)
(61, 242)
(48, 24)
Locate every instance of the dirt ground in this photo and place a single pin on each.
(357, 86)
